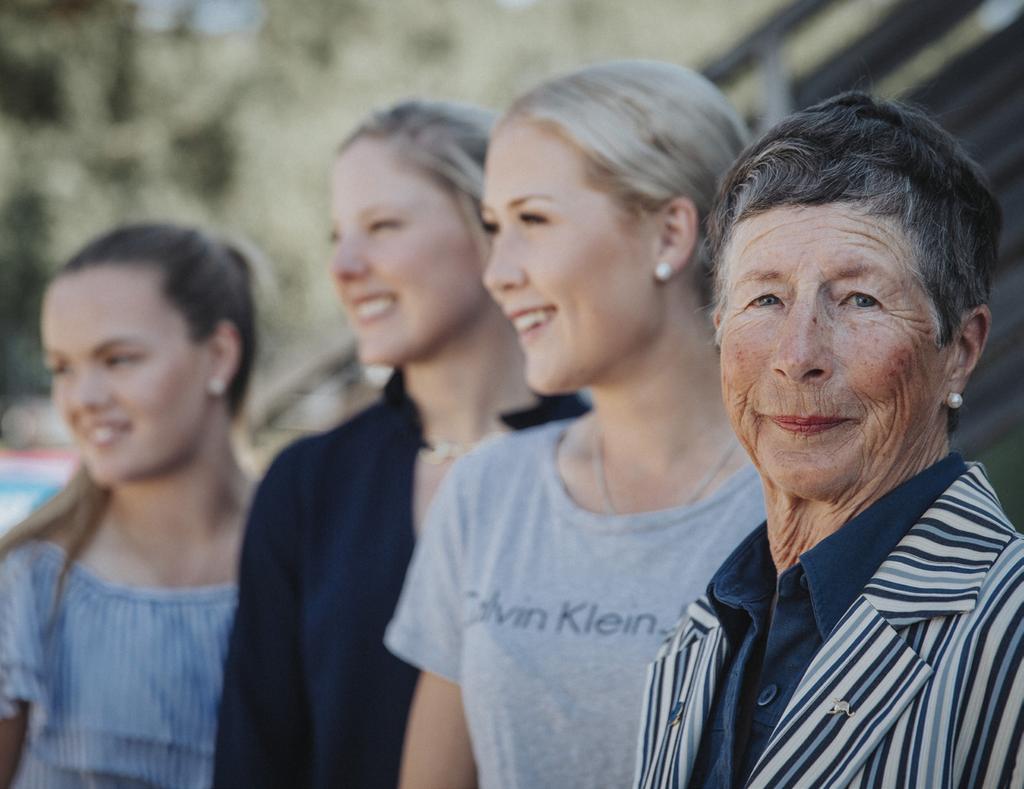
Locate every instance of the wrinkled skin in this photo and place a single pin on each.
(830, 369)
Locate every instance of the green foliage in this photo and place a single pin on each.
(30, 87)
(102, 122)
(24, 233)
(205, 159)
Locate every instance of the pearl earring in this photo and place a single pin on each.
(954, 400)
(215, 387)
(663, 271)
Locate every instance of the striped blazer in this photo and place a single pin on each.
(920, 684)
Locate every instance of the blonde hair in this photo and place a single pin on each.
(73, 514)
(445, 140)
(649, 131)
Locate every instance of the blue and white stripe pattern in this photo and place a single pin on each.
(122, 683)
(929, 659)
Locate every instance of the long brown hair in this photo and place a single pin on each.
(208, 281)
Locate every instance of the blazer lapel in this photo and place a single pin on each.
(865, 674)
(855, 689)
(681, 686)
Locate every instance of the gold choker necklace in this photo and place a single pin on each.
(439, 452)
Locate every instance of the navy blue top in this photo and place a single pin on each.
(311, 696)
(770, 650)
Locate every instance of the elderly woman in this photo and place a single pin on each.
(871, 632)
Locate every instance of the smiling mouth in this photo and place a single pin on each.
(102, 436)
(808, 425)
(528, 321)
(371, 308)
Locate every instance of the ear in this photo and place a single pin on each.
(225, 347)
(967, 345)
(679, 232)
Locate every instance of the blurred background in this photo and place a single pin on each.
(226, 113)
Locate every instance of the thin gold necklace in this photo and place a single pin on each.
(602, 480)
(441, 451)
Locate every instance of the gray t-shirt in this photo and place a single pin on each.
(546, 615)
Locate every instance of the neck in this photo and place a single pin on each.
(192, 504)
(796, 524)
(667, 405)
(460, 391)
(660, 434)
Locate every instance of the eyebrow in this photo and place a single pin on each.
(525, 198)
(760, 275)
(104, 346)
(517, 202)
(382, 208)
(852, 271)
(849, 271)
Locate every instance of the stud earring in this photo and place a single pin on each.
(215, 387)
(954, 400)
(663, 271)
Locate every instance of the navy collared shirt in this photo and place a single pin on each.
(774, 624)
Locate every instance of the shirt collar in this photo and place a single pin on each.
(743, 585)
(840, 566)
(546, 409)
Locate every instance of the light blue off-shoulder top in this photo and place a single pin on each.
(122, 682)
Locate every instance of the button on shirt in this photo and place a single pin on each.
(774, 624)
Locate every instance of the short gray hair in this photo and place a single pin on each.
(649, 131)
(889, 160)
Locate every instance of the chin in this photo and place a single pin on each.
(141, 467)
(108, 475)
(548, 382)
(805, 478)
(398, 352)
(382, 356)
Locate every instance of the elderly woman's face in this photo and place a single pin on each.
(830, 368)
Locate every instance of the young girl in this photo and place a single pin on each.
(555, 561)
(312, 698)
(116, 597)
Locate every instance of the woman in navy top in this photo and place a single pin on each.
(311, 696)
(116, 597)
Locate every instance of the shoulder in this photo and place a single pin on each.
(28, 578)
(29, 575)
(510, 454)
(303, 463)
(1003, 586)
(742, 492)
(38, 561)
(696, 622)
(485, 490)
(345, 439)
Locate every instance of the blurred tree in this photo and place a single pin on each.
(226, 113)
(24, 240)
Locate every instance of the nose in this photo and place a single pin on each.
(503, 272)
(803, 349)
(87, 389)
(349, 259)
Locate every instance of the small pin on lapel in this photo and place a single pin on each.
(676, 714)
(841, 707)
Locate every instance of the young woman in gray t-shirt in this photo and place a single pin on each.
(552, 562)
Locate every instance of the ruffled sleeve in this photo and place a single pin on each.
(26, 591)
